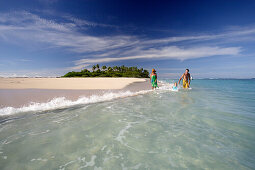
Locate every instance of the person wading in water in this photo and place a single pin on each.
(186, 79)
(154, 80)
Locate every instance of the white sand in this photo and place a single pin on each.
(67, 83)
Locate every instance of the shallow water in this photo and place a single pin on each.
(210, 126)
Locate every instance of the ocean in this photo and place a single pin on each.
(211, 126)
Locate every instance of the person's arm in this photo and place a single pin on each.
(156, 79)
(189, 79)
(180, 79)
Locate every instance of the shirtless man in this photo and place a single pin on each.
(186, 79)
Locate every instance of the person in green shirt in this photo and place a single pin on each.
(153, 79)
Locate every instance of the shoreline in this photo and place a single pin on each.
(23, 97)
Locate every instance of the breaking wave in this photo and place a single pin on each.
(62, 102)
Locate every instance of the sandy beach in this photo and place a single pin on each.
(17, 92)
(67, 83)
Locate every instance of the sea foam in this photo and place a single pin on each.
(62, 102)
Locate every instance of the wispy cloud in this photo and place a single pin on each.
(25, 26)
(171, 52)
(243, 33)
(21, 26)
(81, 22)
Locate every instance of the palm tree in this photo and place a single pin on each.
(85, 70)
(104, 68)
(94, 68)
(146, 73)
(140, 70)
(115, 68)
(122, 68)
(97, 66)
(109, 69)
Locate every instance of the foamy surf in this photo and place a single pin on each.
(62, 102)
(163, 85)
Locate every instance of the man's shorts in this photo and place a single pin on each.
(185, 84)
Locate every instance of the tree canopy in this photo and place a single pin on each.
(110, 72)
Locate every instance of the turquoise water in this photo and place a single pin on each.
(211, 126)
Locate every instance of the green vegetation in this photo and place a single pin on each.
(110, 72)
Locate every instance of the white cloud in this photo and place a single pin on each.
(171, 52)
(81, 22)
(25, 28)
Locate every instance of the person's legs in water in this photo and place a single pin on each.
(153, 85)
(153, 80)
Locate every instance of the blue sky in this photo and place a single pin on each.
(214, 39)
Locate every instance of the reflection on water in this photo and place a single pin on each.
(202, 128)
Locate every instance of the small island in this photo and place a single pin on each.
(110, 72)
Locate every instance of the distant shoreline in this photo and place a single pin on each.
(115, 71)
